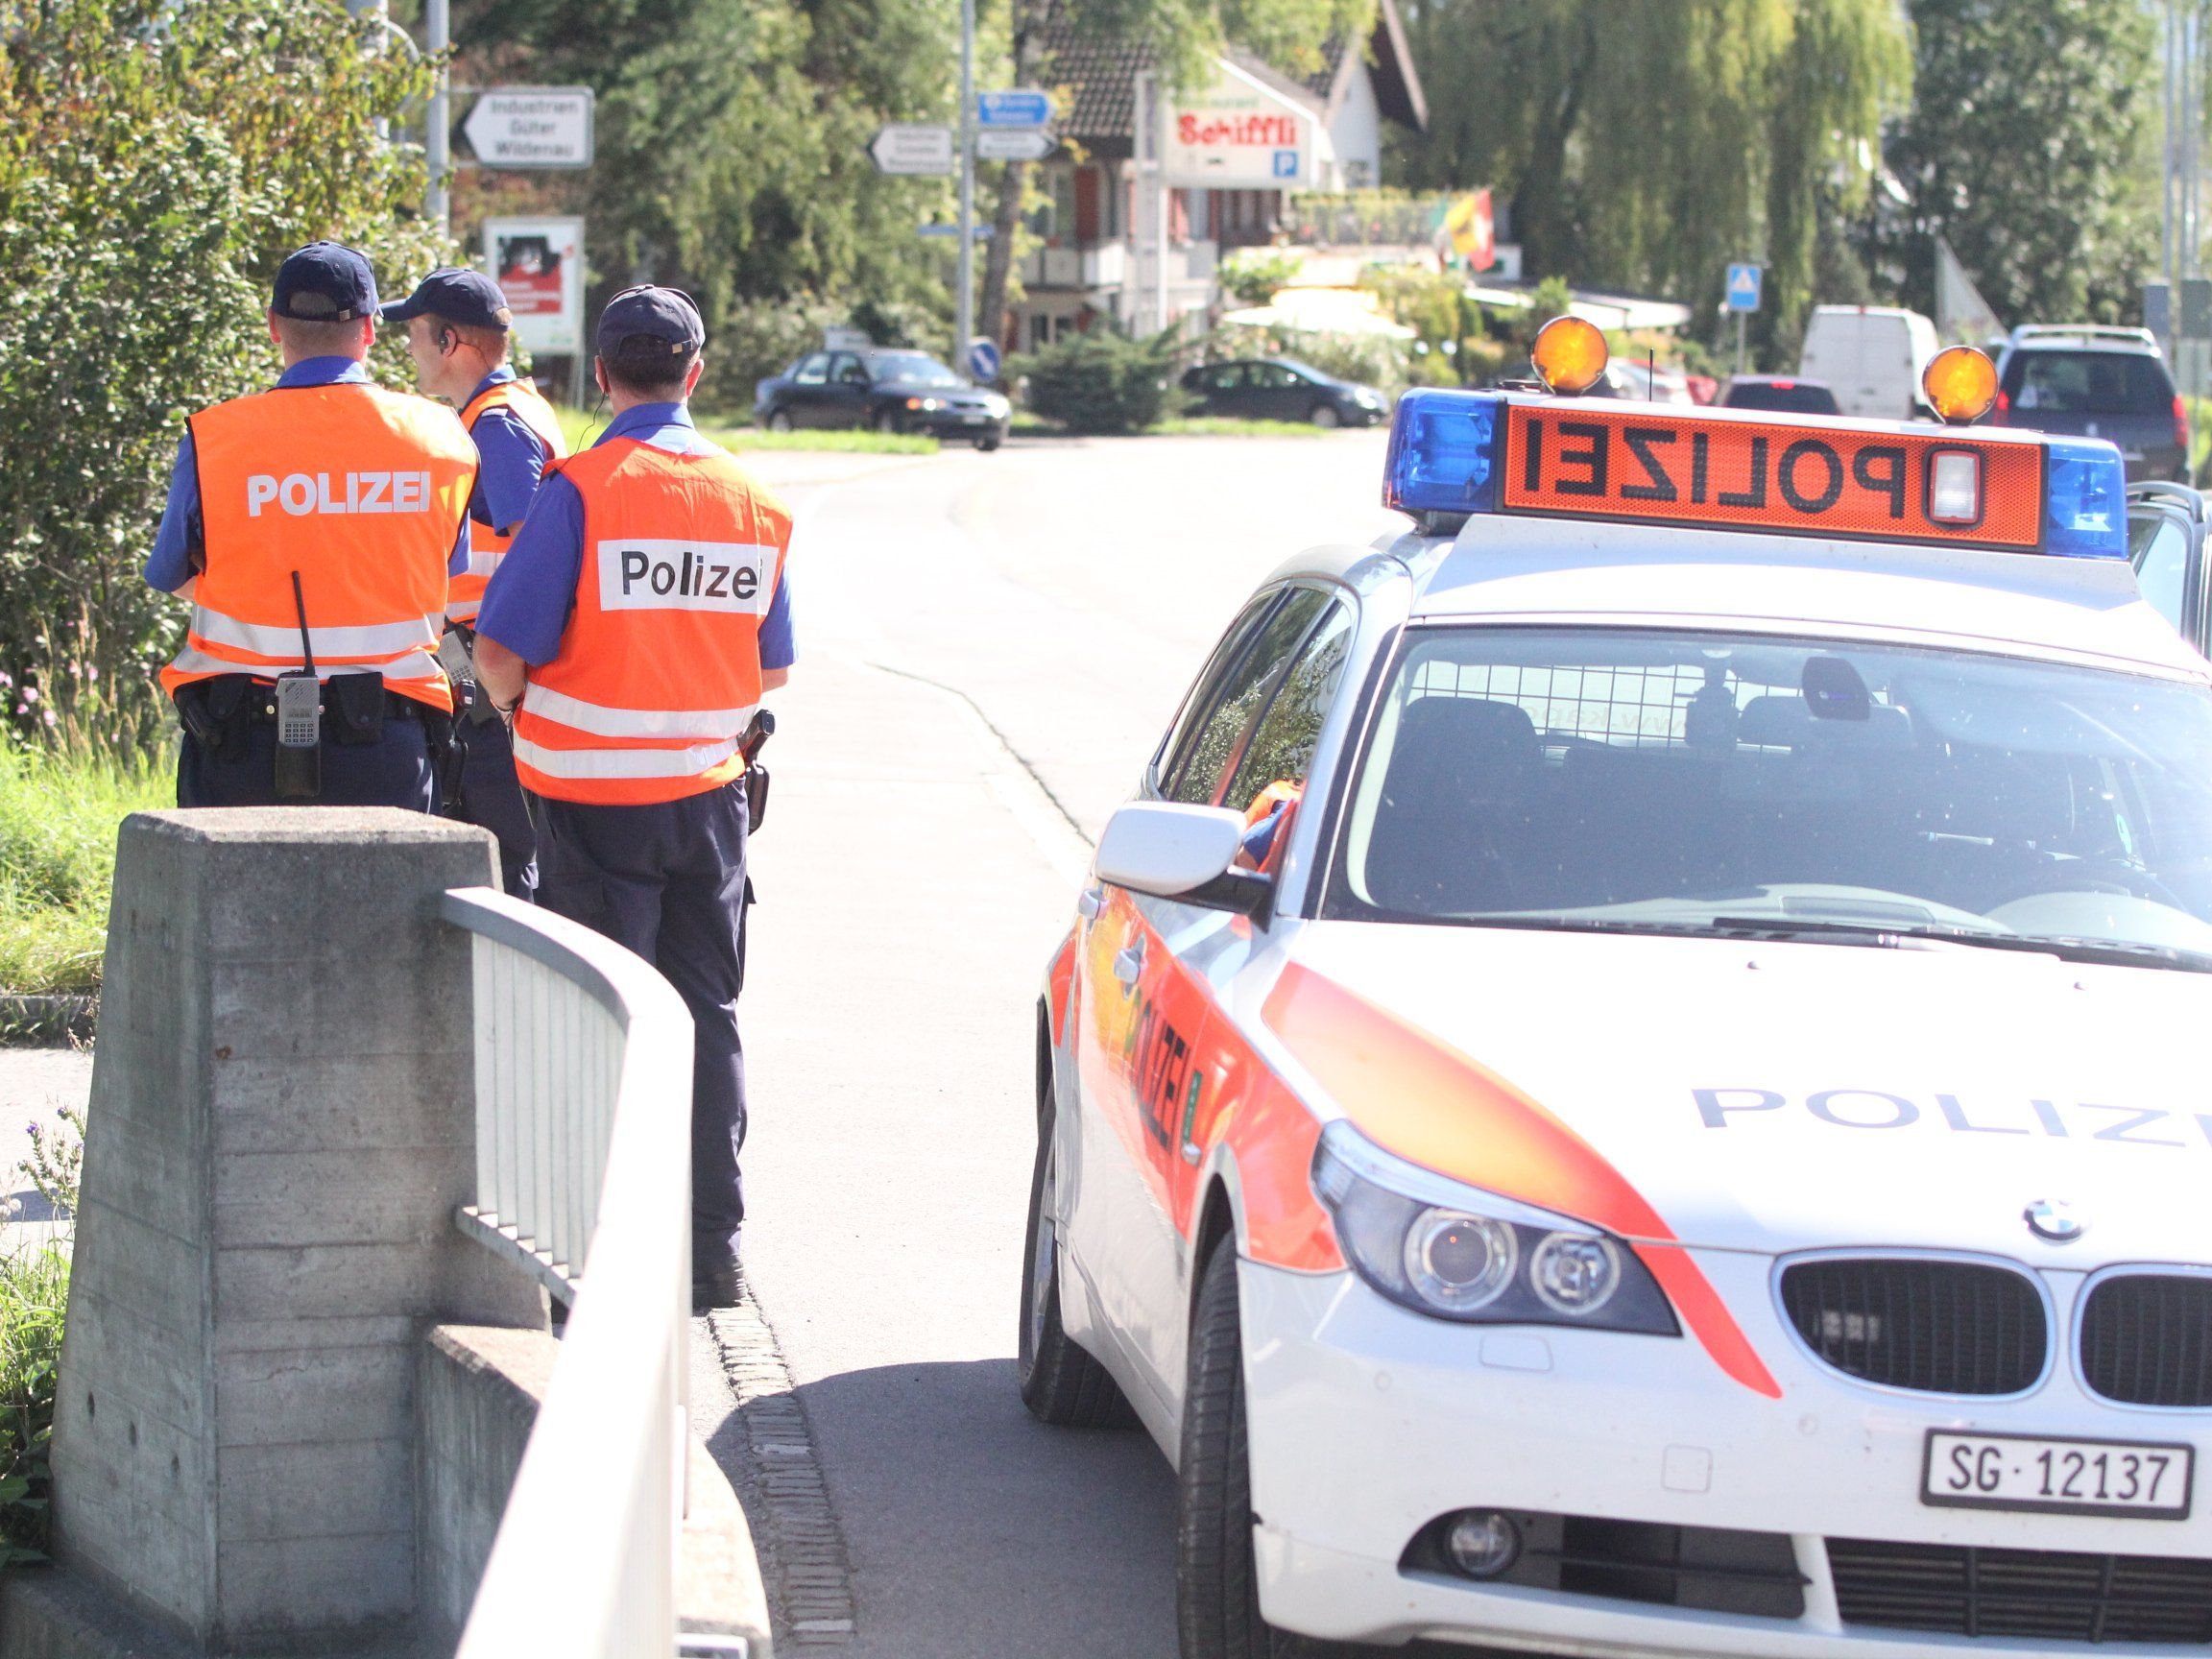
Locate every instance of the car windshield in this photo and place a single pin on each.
(1791, 397)
(911, 369)
(1717, 784)
(1306, 369)
(2088, 383)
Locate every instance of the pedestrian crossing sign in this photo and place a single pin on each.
(1743, 283)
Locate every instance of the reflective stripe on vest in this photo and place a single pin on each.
(660, 667)
(487, 546)
(362, 492)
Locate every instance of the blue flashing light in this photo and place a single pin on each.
(1443, 452)
(2084, 499)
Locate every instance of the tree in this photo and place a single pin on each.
(1648, 145)
(157, 162)
(2024, 148)
(1184, 35)
(732, 141)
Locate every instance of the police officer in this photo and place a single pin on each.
(631, 630)
(457, 324)
(314, 527)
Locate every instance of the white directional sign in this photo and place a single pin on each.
(910, 151)
(531, 126)
(1014, 144)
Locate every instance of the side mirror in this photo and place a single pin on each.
(1173, 850)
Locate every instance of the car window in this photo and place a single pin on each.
(1282, 746)
(1217, 741)
(1274, 378)
(814, 372)
(1175, 747)
(1223, 377)
(1789, 397)
(2158, 547)
(1683, 781)
(912, 368)
(845, 369)
(2088, 383)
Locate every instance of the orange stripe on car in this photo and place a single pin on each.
(1061, 978)
(1421, 1099)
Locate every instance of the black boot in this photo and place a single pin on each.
(716, 1280)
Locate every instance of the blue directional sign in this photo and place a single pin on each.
(983, 360)
(1743, 284)
(1025, 108)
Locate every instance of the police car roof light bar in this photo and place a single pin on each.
(1442, 467)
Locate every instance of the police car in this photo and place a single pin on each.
(1634, 1081)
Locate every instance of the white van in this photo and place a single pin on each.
(1870, 356)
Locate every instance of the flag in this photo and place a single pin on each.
(1962, 317)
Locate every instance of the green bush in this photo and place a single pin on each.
(1103, 381)
(1250, 276)
(157, 162)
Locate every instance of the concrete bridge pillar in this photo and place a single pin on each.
(282, 1125)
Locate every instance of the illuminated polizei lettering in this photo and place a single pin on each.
(319, 494)
(1873, 1109)
(662, 574)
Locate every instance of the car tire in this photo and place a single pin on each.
(886, 421)
(1325, 416)
(1061, 1383)
(1217, 1581)
(779, 421)
(986, 444)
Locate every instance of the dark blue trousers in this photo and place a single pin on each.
(492, 799)
(394, 771)
(669, 882)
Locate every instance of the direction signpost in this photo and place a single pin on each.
(911, 150)
(1025, 107)
(1745, 282)
(1015, 144)
(531, 126)
(983, 362)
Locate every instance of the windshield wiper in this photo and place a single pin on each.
(2067, 948)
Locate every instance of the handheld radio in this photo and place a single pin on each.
(300, 718)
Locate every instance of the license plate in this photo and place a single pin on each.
(2149, 1480)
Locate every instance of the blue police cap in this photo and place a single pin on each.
(458, 296)
(658, 316)
(325, 282)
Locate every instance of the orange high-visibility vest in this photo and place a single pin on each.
(486, 545)
(359, 490)
(660, 668)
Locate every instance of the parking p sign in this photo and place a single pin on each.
(1743, 282)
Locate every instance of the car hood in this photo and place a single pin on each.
(1771, 1097)
(950, 397)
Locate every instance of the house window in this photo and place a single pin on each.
(1357, 176)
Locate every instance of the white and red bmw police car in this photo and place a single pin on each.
(1634, 1081)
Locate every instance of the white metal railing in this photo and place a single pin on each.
(583, 1179)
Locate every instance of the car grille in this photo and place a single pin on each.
(2147, 1339)
(2031, 1594)
(1941, 1326)
(1708, 1568)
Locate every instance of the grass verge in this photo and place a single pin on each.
(57, 819)
(33, 1299)
(581, 427)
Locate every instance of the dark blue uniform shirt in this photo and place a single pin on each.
(514, 459)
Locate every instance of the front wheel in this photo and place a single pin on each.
(1325, 416)
(1217, 1579)
(886, 421)
(779, 422)
(1061, 1383)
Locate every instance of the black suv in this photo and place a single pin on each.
(2090, 381)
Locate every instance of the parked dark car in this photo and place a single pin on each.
(1783, 393)
(1283, 389)
(891, 390)
(2166, 525)
(2091, 382)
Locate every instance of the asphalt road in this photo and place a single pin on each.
(985, 641)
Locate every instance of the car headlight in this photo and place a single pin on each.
(1367, 398)
(924, 404)
(997, 407)
(1456, 1252)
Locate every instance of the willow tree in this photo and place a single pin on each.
(1647, 143)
